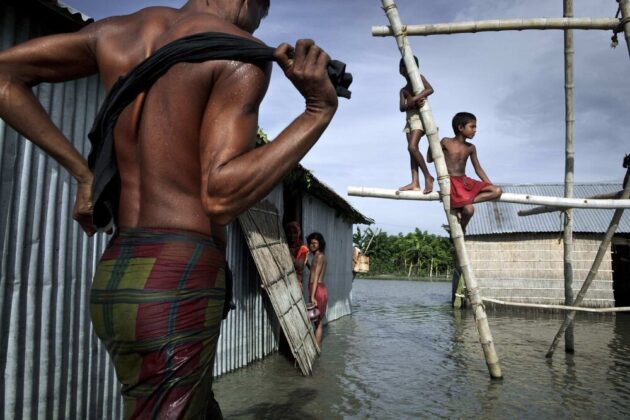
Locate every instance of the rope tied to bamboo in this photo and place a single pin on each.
(389, 7)
(620, 28)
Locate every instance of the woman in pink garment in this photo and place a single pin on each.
(316, 287)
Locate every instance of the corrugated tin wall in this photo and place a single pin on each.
(317, 216)
(53, 366)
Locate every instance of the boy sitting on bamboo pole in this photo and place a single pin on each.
(414, 129)
(464, 190)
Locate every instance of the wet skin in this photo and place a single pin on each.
(185, 150)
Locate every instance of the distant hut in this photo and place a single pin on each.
(52, 363)
(520, 258)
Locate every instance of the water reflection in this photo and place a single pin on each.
(404, 353)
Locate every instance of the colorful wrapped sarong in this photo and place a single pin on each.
(464, 190)
(156, 303)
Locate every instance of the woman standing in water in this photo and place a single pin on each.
(316, 287)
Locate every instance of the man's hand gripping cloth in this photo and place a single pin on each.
(464, 190)
(191, 49)
(156, 304)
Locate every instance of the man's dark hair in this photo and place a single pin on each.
(265, 4)
(462, 118)
(402, 61)
(318, 236)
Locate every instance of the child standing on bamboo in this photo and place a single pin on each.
(414, 129)
(465, 191)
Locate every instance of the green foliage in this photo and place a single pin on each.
(415, 254)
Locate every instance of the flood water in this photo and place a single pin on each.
(405, 353)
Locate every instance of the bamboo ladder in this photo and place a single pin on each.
(400, 32)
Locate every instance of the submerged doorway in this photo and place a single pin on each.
(621, 271)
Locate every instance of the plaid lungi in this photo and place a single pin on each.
(156, 303)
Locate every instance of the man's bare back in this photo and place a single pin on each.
(158, 137)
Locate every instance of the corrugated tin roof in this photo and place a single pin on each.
(67, 11)
(304, 180)
(326, 194)
(497, 217)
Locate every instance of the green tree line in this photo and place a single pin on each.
(416, 254)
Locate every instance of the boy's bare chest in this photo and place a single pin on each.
(456, 151)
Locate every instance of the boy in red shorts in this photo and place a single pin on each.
(465, 191)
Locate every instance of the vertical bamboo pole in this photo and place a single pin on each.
(603, 248)
(568, 172)
(485, 336)
(624, 5)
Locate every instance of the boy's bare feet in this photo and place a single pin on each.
(428, 185)
(410, 187)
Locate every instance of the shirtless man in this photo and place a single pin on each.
(465, 191)
(187, 163)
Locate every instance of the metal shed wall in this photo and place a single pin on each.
(317, 216)
(52, 364)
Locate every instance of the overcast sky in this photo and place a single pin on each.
(512, 81)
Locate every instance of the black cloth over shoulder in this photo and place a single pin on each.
(192, 49)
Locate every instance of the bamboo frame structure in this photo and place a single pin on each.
(457, 235)
(603, 248)
(495, 25)
(567, 23)
(559, 307)
(567, 236)
(558, 203)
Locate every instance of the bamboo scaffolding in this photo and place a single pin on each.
(495, 25)
(485, 336)
(556, 202)
(567, 236)
(603, 248)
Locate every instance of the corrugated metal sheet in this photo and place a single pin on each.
(498, 217)
(317, 216)
(53, 366)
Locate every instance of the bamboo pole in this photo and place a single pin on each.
(624, 6)
(559, 307)
(501, 25)
(603, 248)
(567, 236)
(485, 336)
(545, 209)
(558, 202)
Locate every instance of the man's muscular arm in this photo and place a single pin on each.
(54, 58)
(235, 177)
